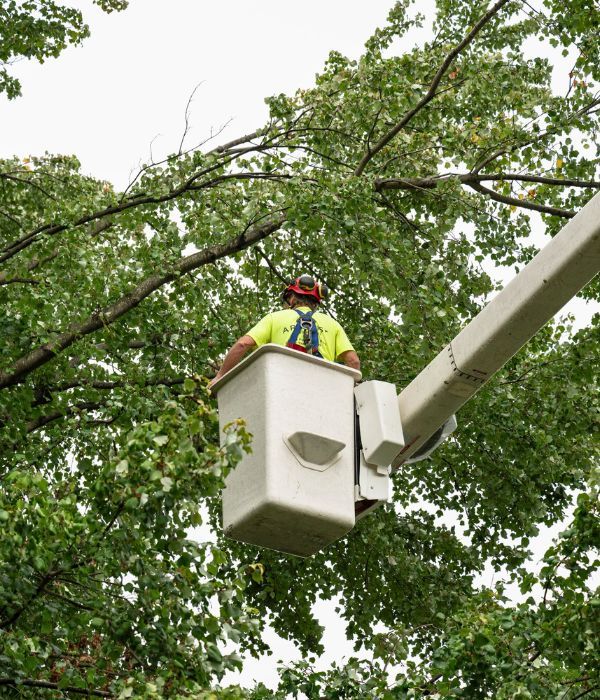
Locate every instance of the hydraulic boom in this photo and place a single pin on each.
(560, 270)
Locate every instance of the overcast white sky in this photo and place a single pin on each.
(127, 87)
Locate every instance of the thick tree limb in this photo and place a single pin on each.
(431, 92)
(109, 314)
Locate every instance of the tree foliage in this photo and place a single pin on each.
(40, 29)
(393, 179)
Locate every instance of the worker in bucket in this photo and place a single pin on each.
(299, 326)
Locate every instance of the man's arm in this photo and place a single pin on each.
(350, 358)
(233, 357)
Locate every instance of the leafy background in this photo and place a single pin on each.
(117, 302)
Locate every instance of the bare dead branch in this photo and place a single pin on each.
(187, 118)
(168, 159)
(431, 92)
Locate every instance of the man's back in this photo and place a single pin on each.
(277, 327)
(302, 296)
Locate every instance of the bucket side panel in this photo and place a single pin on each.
(245, 486)
(308, 508)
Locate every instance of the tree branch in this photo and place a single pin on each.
(12, 218)
(73, 603)
(135, 201)
(473, 180)
(99, 384)
(586, 692)
(271, 265)
(524, 204)
(36, 262)
(25, 181)
(528, 371)
(46, 579)
(30, 683)
(225, 148)
(187, 119)
(109, 314)
(431, 93)
(239, 141)
(16, 280)
(535, 138)
(470, 178)
(42, 421)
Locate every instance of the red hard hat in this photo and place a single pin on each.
(307, 286)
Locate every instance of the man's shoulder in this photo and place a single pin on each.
(282, 313)
(281, 316)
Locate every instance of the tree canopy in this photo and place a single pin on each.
(394, 179)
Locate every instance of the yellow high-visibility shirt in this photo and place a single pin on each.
(277, 328)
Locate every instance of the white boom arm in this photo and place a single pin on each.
(560, 270)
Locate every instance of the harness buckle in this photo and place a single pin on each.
(310, 336)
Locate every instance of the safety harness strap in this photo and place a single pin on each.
(306, 324)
